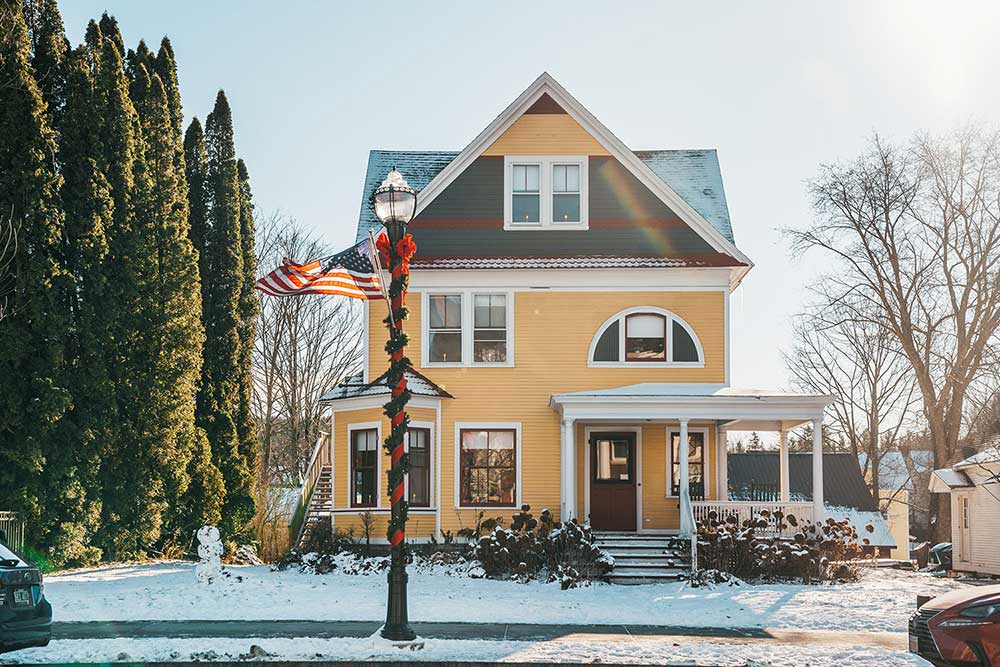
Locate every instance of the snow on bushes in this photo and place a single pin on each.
(816, 552)
(542, 549)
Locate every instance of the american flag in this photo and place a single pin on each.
(352, 273)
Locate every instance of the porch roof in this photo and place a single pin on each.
(733, 407)
(355, 387)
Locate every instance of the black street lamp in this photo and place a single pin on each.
(394, 203)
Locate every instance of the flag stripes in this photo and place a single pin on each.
(350, 273)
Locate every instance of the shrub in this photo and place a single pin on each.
(542, 549)
(816, 552)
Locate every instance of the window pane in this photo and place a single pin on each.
(445, 347)
(684, 348)
(645, 349)
(491, 311)
(531, 177)
(644, 338)
(475, 439)
(502, 440)
(519, 178)
(525, 178)
(566, 208)
(525, 208)
(607, 345)
(488, 352)
(646, 326)
(566, 178)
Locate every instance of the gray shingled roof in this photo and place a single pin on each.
(693, 174)
(843, 483)
(355, 387)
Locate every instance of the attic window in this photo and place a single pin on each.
(545, 192)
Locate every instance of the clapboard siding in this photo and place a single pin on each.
(546, 134)
(551, 340)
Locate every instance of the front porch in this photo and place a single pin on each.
(623, 469)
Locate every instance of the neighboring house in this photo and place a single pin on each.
(974, 487)
(755, 476)
(569, 328)
(904, 494)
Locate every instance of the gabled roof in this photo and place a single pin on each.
(355, 387)
(694, 174)
(687, 183)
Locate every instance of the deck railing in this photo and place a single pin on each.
(746, 510)
(13, 527)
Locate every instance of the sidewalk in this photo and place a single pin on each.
(468, 631)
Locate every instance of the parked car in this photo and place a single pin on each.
(25, 614)
(959, 629)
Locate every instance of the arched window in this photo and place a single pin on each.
(646, 335)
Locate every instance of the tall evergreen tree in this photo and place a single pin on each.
(34, 399)
(109, 29)
(248, 309)
(219, 242)
(49, 50)
(166, 66)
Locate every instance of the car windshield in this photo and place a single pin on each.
(8, 557)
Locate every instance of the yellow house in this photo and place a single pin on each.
(569, 328)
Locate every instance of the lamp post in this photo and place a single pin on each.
(394, 203)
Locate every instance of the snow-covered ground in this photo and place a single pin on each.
(570, 649)
(882, 601)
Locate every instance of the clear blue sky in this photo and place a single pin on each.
(777, 88)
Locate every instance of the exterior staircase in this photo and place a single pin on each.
(316, 501)
(646, 559)
(320, 507)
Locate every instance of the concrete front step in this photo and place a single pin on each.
(632, 579)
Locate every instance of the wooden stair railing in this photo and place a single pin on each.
(316, 499)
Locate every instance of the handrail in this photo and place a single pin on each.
(320, 457)
(688, 508)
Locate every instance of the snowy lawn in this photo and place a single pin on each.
(882, 601)
(569, 649)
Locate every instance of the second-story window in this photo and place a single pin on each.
(548, 192)
(489, 337)
(445, 335)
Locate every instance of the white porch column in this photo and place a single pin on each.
(568, 459)
(684, 488)
(722, 463)
(818, 469)
(783, 457)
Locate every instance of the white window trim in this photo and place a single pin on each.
(431, 462)
(545, 164)
(621, 363)
(468, 328)
(670, 430)
(364, 426)
(518, 462)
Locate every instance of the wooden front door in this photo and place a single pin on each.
(613, 481)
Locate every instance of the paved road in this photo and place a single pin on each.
(494, 631)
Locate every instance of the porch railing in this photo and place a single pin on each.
(13, 527)
(751, 510)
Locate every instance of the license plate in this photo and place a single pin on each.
(22, 597)
(914, 644)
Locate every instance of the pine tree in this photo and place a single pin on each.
(248, 309)
(219, 242)
(34, 399)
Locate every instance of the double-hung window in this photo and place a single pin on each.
(468, 328)
(545, 192)
(489, 337)
(445, 329)
(364, 467)
(418, 441)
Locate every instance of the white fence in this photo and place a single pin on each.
(13, 527)
(743, 511)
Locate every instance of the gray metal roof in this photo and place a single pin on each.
(695, 175)
(355, 387)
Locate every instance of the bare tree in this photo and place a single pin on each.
(305, 345)
(854, 360)
(915, 235)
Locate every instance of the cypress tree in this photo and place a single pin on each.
(166, 66)
(109, 29)
(73, 486)
(222, 265)
(49, 50)
(248, 309)
(31, 353)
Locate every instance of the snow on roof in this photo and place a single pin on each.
(860, 519)
(991, 455)
(355, 387)
(946, 479)
(654, 389)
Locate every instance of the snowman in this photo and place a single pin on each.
(210, 552)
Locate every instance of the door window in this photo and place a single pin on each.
(613, 460)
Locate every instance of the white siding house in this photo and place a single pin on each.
(974, 486)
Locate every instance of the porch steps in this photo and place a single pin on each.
(320, 507)
(646, 559)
